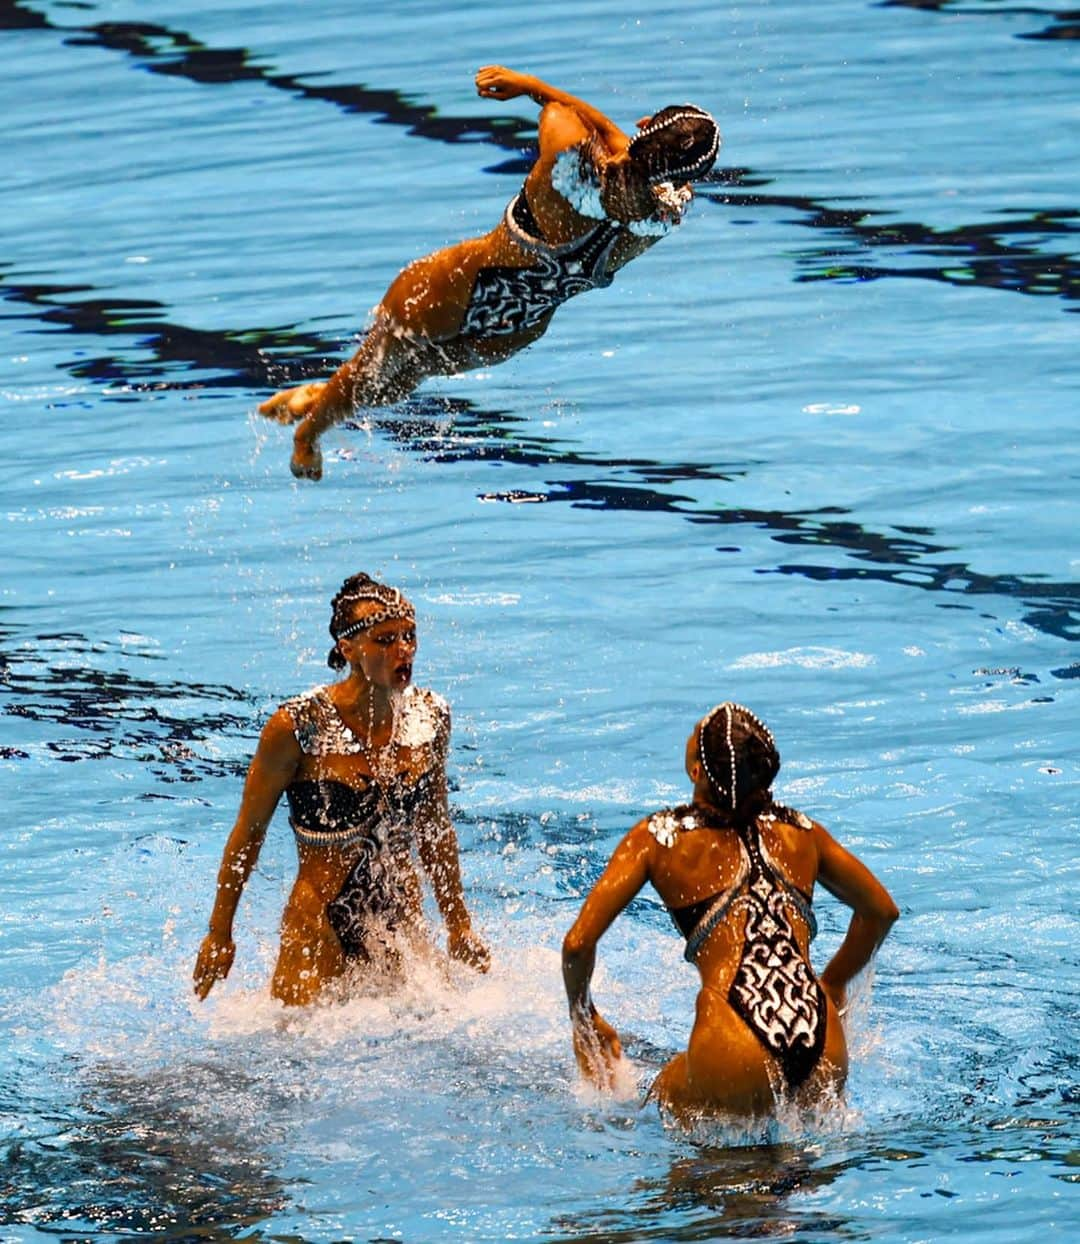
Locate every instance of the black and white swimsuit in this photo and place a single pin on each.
(774, 990)
(371, 820)
(508, 300)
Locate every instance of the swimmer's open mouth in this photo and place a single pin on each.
(404, 672)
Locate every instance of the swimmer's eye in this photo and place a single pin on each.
(384, 641)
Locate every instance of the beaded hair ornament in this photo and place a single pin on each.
(729, 710)
(393, 605)
(701, 159)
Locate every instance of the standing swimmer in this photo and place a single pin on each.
(362, 763)
(736, 871)
(594, 200)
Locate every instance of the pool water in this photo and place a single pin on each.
(816, 453)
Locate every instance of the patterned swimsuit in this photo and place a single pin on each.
(774, 990)
(508, 300)
(371, 821)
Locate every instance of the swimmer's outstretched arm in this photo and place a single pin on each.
(272, 769)
(498, 82)
(873, 913)
(596, 1044)
(438, 847)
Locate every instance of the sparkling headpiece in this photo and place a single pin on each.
(729, 710)
(393, 605)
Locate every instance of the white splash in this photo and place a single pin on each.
(810, 658)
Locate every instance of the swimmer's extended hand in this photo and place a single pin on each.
(497, 82)
(468, 948)
(597, 1048)
(214, 960)
(291, 405)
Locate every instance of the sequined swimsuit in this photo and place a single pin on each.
(372, 821)
(774, 990)
(508, 300)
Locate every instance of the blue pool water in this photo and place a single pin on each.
(816, 452)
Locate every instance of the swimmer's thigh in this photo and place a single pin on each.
(830, 1075)
(309, 955)
(670, 1089)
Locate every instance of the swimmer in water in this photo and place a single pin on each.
(595, 199)
(736, 871)
(362, 763)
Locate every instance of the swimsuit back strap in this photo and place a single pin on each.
(801, 901)
(717, 910)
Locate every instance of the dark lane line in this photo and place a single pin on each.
(174, 53)
(1064, 23)
(112, 712)
(102, 709)
(233, 360)
(1050, 607)
(975, 255)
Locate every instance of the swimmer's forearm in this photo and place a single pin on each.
(450, 900)
(543, 93)
(334, 403)
(226, 901)
(577, 969)
(236, 866)
(865, 934)
(445, 873)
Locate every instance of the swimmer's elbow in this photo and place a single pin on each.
(889, 913)
(885, 915)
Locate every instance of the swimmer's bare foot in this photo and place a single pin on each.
(291, 405)
(306, 461)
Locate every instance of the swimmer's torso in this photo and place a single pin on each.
(742, 900)
(354, 818)
(495, 294)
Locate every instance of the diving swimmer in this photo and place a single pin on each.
(594, 200)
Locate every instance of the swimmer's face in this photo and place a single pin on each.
(384, 653)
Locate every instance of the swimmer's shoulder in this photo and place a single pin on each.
(302, 715)
(426, 718)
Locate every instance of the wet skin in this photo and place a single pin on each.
(725, 1070)
(416, 330)
(380, 663)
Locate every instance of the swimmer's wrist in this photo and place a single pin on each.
(583, 1010)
